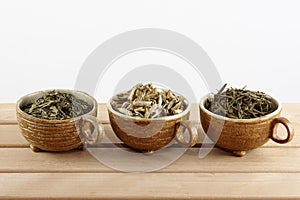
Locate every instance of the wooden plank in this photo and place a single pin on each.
(149, 186)
(8, 113)
(7, 117)
(10, 136)
(263, 160)
(291, 111)
(103, 113)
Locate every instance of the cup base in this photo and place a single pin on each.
(237, 153)
(34, 148)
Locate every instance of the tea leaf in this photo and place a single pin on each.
(146, 101)
(240, 103)
(55, 105)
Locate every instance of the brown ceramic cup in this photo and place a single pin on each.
(59, 135)
(241, 135)
(148, 135)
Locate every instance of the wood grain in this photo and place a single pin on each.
(8, 113)
(263, 160)
(149, 186)
(269, 172)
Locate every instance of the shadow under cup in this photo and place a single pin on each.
(241, 135)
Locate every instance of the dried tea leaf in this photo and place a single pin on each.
(55, 105)
(146, 101)
(240, 103)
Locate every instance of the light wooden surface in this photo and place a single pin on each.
(269, 172)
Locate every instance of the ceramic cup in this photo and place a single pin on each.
(241, 135)
(148, 135)
(59, 135)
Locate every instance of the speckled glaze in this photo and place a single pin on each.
(51, 135)
(241, 135)
(148, 135)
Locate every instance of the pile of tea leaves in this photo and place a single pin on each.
(240, 103)
(55, 105)
(147, 101)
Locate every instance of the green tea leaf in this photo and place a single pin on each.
(56, 105)
(240, 103)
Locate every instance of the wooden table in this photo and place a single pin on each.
(269, 172)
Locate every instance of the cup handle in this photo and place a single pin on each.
(94, 137)
(287, 124)
(193, 134)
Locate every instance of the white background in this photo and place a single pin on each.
(255, 43)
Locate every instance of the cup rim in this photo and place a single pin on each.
(20, 101)
(265, 117)
(165, 118)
